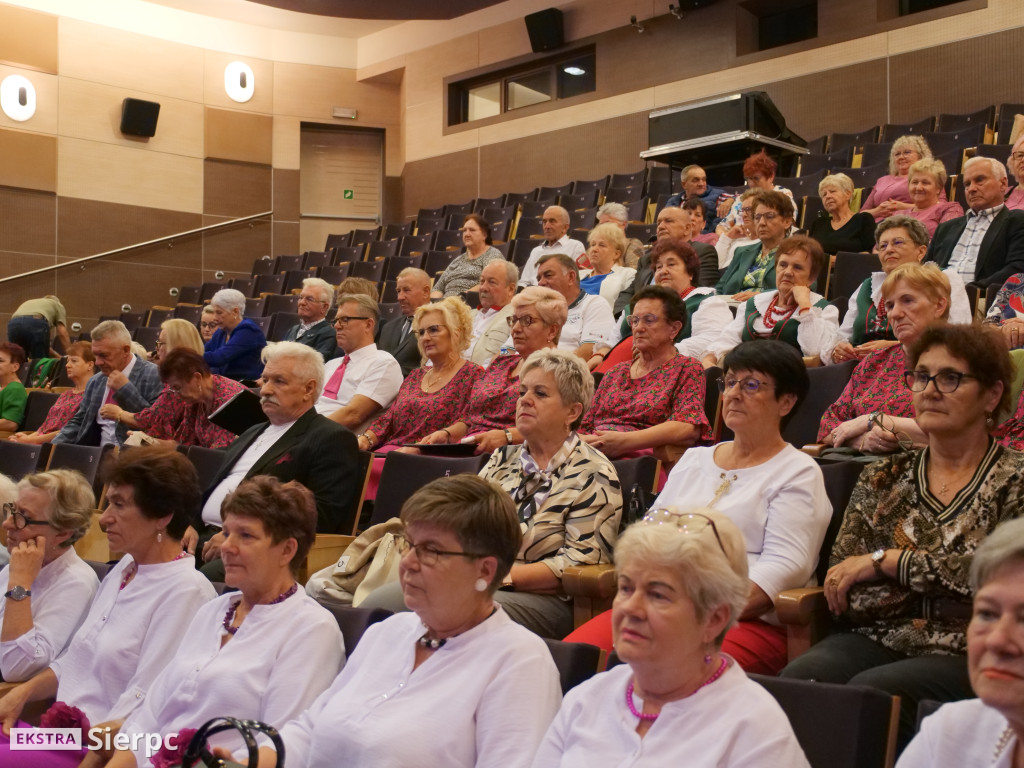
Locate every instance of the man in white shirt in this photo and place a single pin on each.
(366, 380)
(556, 240)
(490, 319)
(590, 318)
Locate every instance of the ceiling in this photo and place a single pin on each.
(398, 10)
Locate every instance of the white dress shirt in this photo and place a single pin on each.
(109, 426)
(60, 597)
(371, 372)
(565, 244)
(129, 636)
(707, 322)
(268, 671)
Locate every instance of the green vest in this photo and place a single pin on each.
(866, 328)
(783, 331)
(691, 302)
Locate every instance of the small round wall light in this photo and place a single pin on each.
(239, 81)
(17, 97)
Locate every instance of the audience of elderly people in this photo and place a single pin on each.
(314, 328)
(841, 229)
(926, 181)
(13, 395)
(79, 365)
(890, 194)
(555, 223)
(752, 269)
(607, 277)
(490, 319)
(234, 351)
(463, 274)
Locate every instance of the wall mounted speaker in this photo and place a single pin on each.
(545, 30)
(138, 117)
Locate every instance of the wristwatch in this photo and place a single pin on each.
(876, 560)
(18, 593)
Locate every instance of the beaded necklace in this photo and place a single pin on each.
(769, 320)
(1001, 744)
(229, 617)
(131, 570)
(652, 717)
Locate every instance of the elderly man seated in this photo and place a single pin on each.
(490, 319)
(396, 336)
(314, 329)
(556, 240)
(694, 183)
(366, 380)
(616, 213)
(124, 378)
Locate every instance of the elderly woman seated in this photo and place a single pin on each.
(753, 267)
(181, 415)
(682, 584)
(968, 732)
(234, 350)
(792, 313)
(773, 492)
(890, 194)
(177, 333)
(842, 229)
(740, 234)
(875, 412)
(53, 511)
(1015, 165)
(463, 274)
(866, 328)
(456, 682)
(927, 181)
(79, 367)
(608, 277)
(538, 315)
(241, 651)
(134, 625)
(898, 582)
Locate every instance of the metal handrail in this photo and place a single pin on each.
(126, 248)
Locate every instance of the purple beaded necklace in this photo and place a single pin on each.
(652, 717)
(230, 615)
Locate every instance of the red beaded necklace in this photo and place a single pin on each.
(769, 320)
(654, 716)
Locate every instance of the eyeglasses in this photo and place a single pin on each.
(346, 319)
(312, 299)
(891, 245)
(945, 381)
(904, 152)
(903, 440)
(211, 324)
(430, 330)
(646, 320)
(20, 520)
(426, 554)
(161, 344)
(748, 386)
(693, 523)
(524, 320)
(746, 211)
(1017, 156)
(765, 217)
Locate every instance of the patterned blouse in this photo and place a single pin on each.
(464, 273)
(1009, 301)
(60, 412)
(415, 414)
(171, 418)
(674, 392)
(492, 403)
(876, 385)
(892, 508)
(579, 520)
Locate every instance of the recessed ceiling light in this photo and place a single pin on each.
(17, 98)
(574, 71)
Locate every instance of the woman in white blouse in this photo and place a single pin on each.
(262, 653)
(607, 278)
(678, 700)
(454, 683)
(134, 624)
(47, 587)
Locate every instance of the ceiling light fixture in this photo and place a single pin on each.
(239, 81)
(18, 98)
(574, 71)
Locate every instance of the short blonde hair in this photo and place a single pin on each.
(71, 500)
(456, 317)
(840, 180)
(573, 379)
(926, 278)
(912, 141)
(613, 234)
(550, 304)
(179, 333)
(930, 166)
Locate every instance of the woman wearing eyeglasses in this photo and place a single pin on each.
(430, 397)
(774, 493)
(489, 418)
(208, 324)
(679, 698)
(753, 267)
(890, 194)
(792, 313)
(866, 328)
(455, 682)
(47, 587)
(899, 583)
(1015, 164)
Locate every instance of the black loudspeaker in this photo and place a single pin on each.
(138, 117)
(545, 30)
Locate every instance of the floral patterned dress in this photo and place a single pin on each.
(60, 412)
(876, 385)
(492, 403)
(673, 392)
(171, 418)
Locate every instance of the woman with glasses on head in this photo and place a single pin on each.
(753, 267)
(792, 313)
(47, 587)
(454, 682)
(899, 583)
(866, 328)
(80, 368)
(774, 493)
(679, 698)
(890, 194)
(463, 274)
(489, 418)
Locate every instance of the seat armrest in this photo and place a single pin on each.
(326, 549)
(814, 450)
(594, 581)
(800, 606)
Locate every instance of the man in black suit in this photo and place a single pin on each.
(987, 245)
(313, 329)
(396, 336)
(673, 223)
(297, 444)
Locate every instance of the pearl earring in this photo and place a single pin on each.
(159, 536)
(480, 585)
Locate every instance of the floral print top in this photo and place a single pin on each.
(673, 392)
(876, 385)
(415, 414)
(492, 403)
(171, 418)
(60, 412)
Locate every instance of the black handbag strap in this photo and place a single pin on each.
(198, 749)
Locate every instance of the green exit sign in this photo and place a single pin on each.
(349, 194)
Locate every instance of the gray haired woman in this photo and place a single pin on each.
(234, 350)
(842, 229)
(891, 195)
(682, 583)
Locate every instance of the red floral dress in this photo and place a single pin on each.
(171, 418)
(60, 412)
(673, 392)
(415, 414)
(876, 385)
(492, 403)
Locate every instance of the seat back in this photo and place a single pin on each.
(926, 707)
(207, 462)
(281, 303)
(840, 477)
(86, 459)
(19, 459)
(146, 336)
(37, 407)
(850, 271)
(363, 477)
(190, 312)
(576, 662)
(353, 622)
(892, 131)
(827, 383)
(642, 471)
(405, 473)
(838, 726)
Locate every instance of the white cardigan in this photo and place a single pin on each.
(617, 281)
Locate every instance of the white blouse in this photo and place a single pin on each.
(964, 733)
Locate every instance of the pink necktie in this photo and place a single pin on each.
(331, 390)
